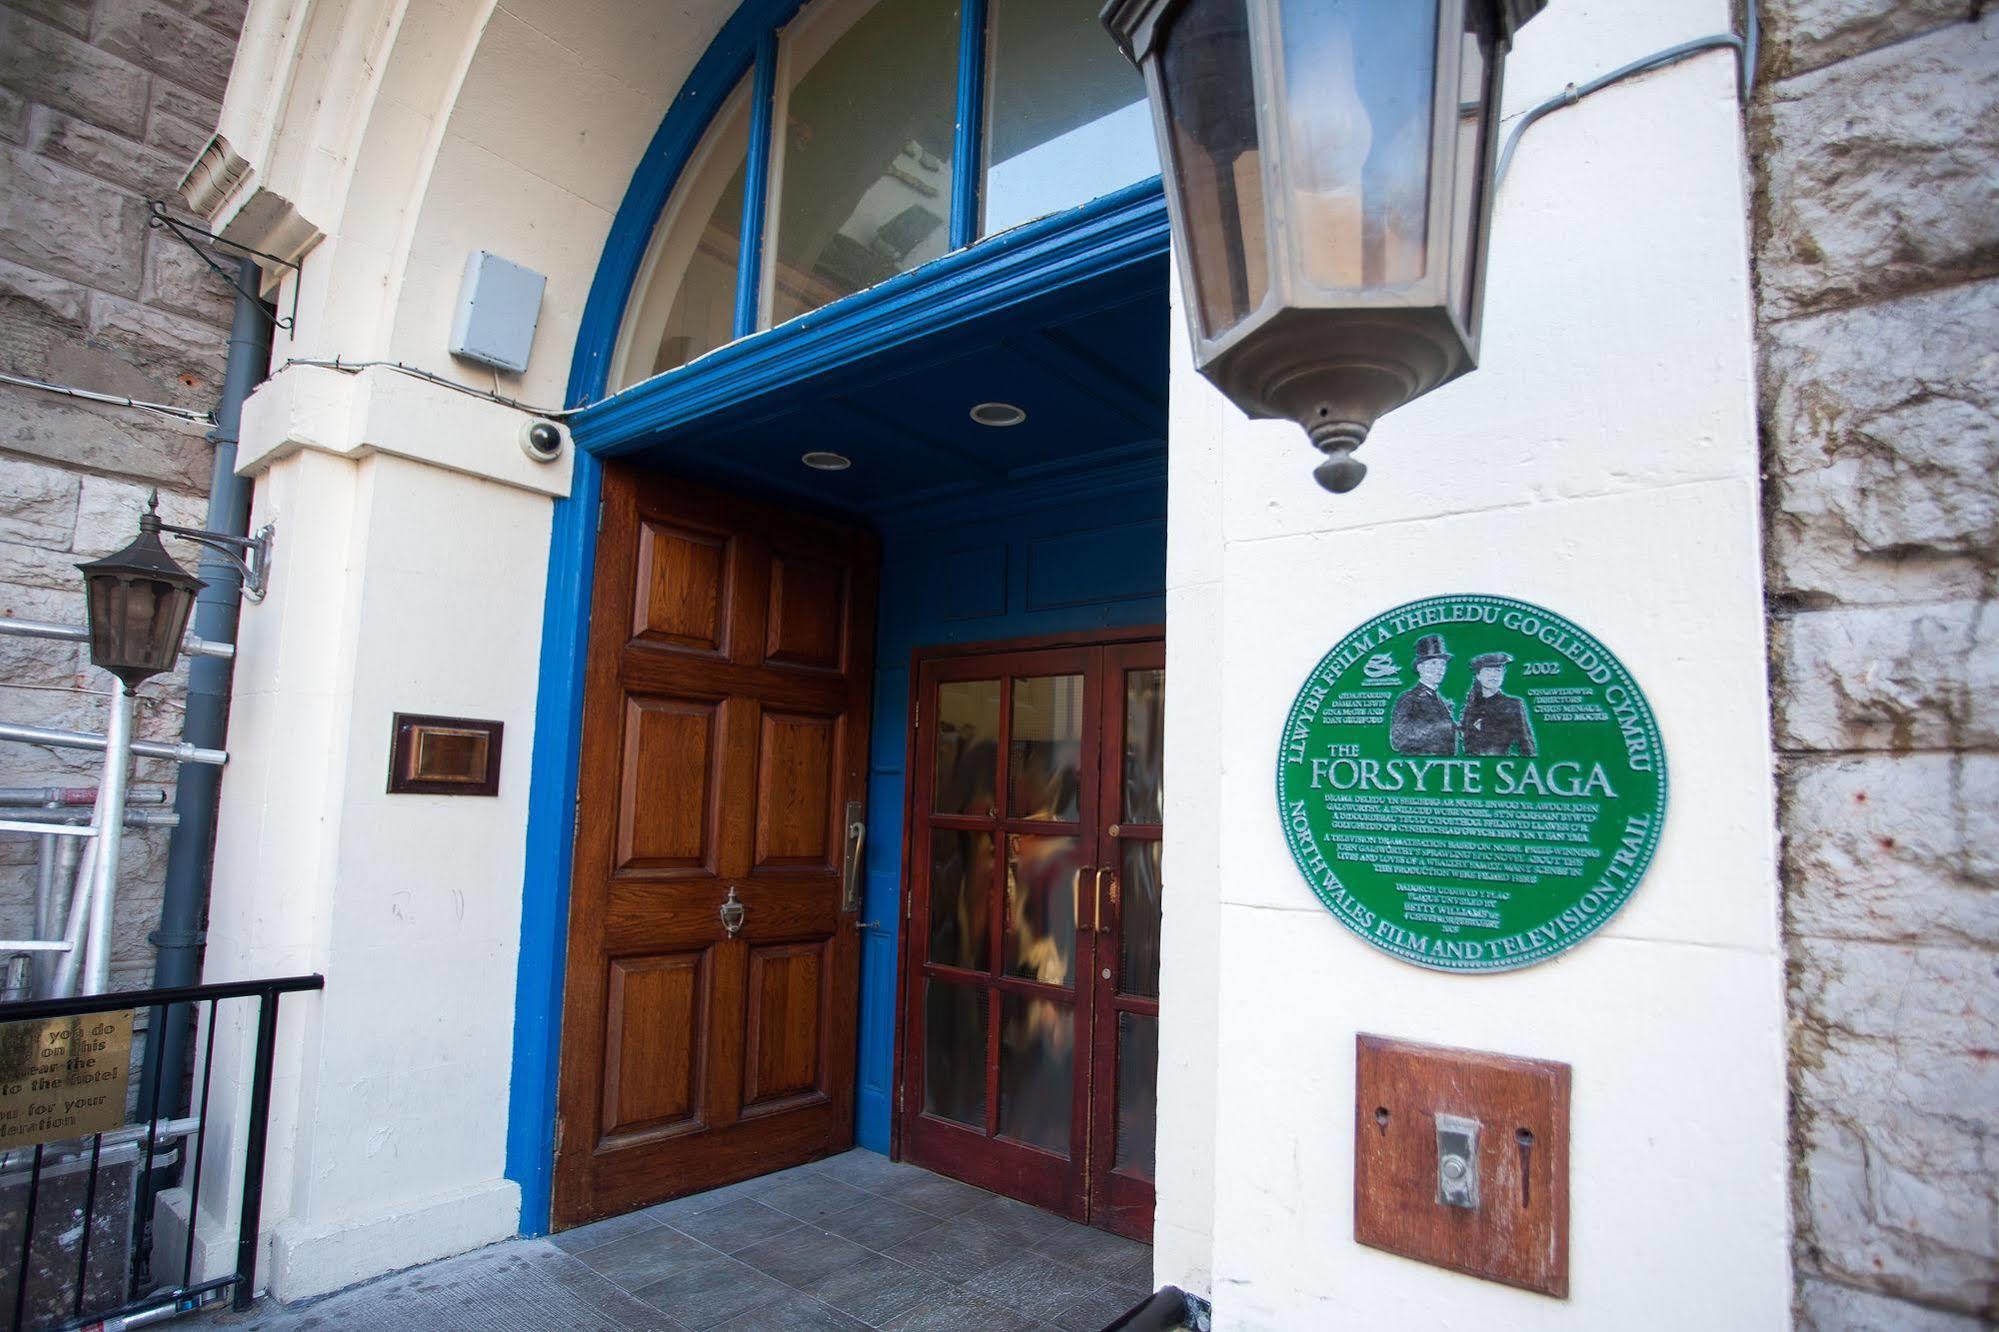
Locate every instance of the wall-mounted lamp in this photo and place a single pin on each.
(137, 602)
(1330, 184)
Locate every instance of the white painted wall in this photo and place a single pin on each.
(1602, 463)
(384, 140)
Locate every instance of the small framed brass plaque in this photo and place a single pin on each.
(63, 1077)
(444, 756)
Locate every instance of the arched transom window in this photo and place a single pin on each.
(871, 137)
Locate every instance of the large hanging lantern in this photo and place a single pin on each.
(138, 603)
(1330, 182)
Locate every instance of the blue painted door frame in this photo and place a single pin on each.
(1116, 235)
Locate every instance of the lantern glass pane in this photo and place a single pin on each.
(861, 149)
(1066, 116)
(1210, 98)
(1476, 85)
(1359, 78)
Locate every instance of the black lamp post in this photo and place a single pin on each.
(1329, 178)
(138, 603)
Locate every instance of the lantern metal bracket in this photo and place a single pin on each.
(254, 561)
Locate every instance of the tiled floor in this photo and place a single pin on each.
(856, 1241)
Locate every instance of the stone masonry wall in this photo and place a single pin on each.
(1875, 136)
(103, 103)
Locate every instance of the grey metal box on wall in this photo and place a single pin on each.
(499, 303)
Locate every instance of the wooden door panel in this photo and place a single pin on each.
(808, 603)
(647, 669)
(642, 914)
(783, 1054)
(666, 803)
(653, 1042)
(681, 587)
(725, 728)
(797, 767)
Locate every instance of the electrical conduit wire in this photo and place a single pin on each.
(113, 399)
(347, 367)
(1745, 49)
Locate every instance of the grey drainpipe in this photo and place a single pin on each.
(191, 849)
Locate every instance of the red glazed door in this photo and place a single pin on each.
(1028, 1060)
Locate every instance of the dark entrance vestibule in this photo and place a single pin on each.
(886, 376)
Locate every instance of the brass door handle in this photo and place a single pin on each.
(1097, 900)
(733, 912)
(850, 861)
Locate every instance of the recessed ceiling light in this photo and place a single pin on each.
(998, 414)
(819, 460)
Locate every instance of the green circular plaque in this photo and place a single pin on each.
(1471, 783)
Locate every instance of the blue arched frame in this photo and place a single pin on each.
(1122, 232)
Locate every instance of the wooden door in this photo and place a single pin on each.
(996, 1003)
(1026, 1067)
(709, 1005)
(1124, 1064)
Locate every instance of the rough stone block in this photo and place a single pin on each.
(170, 99)
(110, 157)
(1881, 428)
(1896, 1097)
(44, 663)
(107, 516)
(153, 35)
(46, 65)
(177, 280)
(1825, 1307)
(38, 313)
(58, 220)
(37, 503)
(225, 16)
(13, 117)
(104, 439)
(1889, 678)
(1803, 35)
(1876, 173)
(70, 15)
(1895, 849)
(183, 359)
(181, 140)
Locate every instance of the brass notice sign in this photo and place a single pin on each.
(63, 1077)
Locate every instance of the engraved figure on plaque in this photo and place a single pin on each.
(1423, 722)
(1495, 722)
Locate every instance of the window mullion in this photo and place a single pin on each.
(756, 185)
(965, 150)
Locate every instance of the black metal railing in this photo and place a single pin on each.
(85, 1205)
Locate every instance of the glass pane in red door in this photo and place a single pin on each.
(1138, 927)
(1043, 876)
(954, 1052)
(1044, 763)
(1037, 1071)
(961, 889)
(1137, 1092)
(967, 746)
(1144, 745)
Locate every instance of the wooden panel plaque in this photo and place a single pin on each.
(63, 1077)
(1500, 1209)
